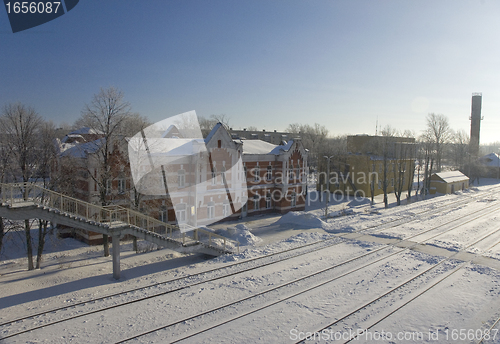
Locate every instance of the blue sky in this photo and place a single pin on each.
(265, 63)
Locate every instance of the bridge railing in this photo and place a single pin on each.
(17, 193)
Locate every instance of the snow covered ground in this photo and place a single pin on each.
(428, 271)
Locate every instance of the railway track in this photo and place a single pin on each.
(174, 284)
(403, 220)
(204, 276)
(410, 280)
(411, 299)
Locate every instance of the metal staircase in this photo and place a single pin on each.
(27, 200)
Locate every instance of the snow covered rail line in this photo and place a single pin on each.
(392, 290)
(384, 308)
(427, 212)
(484, 338)
(276, 257)
(387, 276)
(491, 209)
(270, 290)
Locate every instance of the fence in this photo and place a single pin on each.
(18, 193)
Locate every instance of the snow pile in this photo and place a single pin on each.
(342, 212)
(282, 245)
(305, 238)
(359, 202)
(302, 219)
(240, 233)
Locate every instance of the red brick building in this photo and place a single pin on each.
(272, 177)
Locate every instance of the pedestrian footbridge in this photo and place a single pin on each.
(23, 201)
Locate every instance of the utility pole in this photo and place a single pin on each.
(498, 167)
(468, 167)
(327, 185)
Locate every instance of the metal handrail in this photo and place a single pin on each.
(23, 192)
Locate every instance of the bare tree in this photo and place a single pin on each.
(135, 124)
(223, 119)
(428, 154)
(459, 148)
(404, 161)
(206, 125)
(106, 114)
(335, 147)
(4, 163)
(313, 137)
(387, 151)
(46, 158)
(438, 132)
(21, 126)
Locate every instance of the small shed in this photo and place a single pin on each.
(448, 182)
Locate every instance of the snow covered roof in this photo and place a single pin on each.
(162, 151)
(491, 159)
(72, 138)
(171, 132)
(263, 147)
(212, 132)
(451, 176)
(257, 147)
(285, 148)
(81, 150)
(85, 131)
(175, 146)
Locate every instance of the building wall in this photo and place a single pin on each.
(283, 183)
(367, 144)
(371, 159)
(440, 186)
(286, 186)
(363, 170)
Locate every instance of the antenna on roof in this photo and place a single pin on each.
(376, 127)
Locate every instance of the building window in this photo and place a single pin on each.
(268, 201)
(245, 173)
(211, 210)
(392, 182)
(294, 200)
(226, 209)
(269, 174)
(256, 174)
(180, 212)
(181, 178)
(219, 144)
(121, 186)
(163, 215)
(291, 176)
(256, 200)
(223, 175)
(214, 176)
